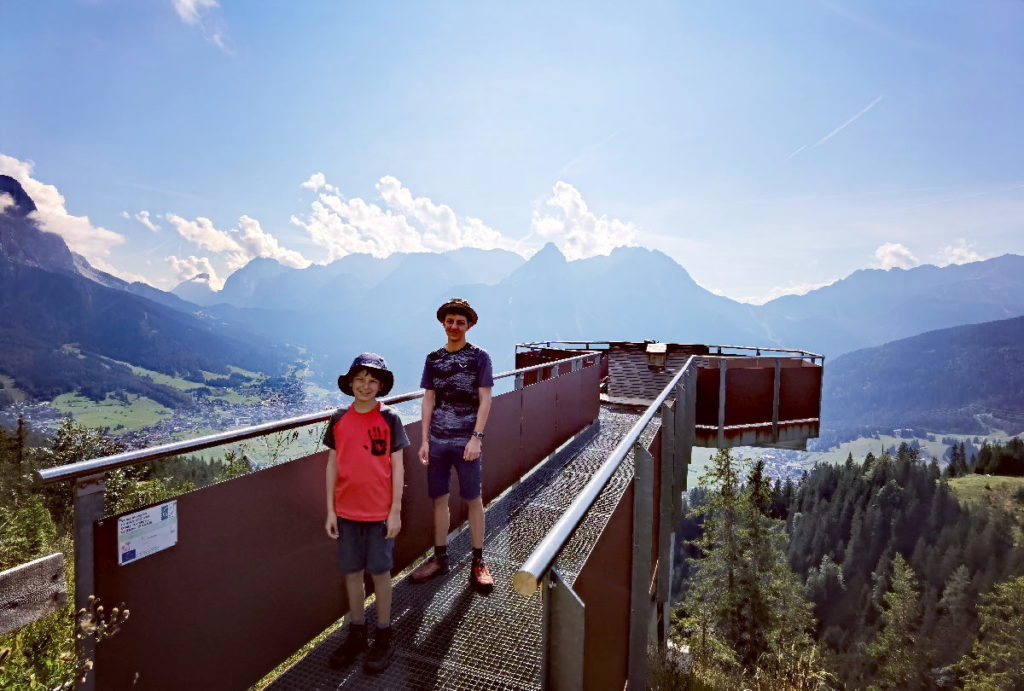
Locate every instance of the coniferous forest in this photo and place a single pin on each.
(868, 574)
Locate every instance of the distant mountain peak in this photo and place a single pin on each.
(23, 204)
(22, 240)
(548, 253)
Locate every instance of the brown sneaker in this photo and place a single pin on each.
(431, 568)
(480, 576)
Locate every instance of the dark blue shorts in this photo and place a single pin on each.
(445, 455)
(363, 547)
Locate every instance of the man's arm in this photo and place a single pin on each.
(331, 524)
(427, 414)
(475, 446)
(394, 523)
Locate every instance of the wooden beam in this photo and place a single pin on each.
(31, 591)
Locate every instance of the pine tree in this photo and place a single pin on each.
(995, 658)
(894, 648)
(745, 611)
(956, 618)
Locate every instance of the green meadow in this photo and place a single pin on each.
(138, 413)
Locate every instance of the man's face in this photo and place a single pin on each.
(456, 326)
(365, 386)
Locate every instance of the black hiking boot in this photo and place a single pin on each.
(381, 652)
(352, 647)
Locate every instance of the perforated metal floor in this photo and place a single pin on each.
(449, 637)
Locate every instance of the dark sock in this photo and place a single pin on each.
(441, 552)
(478, 554)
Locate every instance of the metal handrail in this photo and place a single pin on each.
(529, 575)
(543, 556)
(93, 466)
(802, 353)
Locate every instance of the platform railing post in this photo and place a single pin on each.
(640, 579)
(722, 374)
(666, 511)
(563, 631)
(88, 507)
(777, 388)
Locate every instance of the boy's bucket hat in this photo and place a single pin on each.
(376, 366)
(457, 306)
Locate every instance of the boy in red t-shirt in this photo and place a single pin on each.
(364, 502)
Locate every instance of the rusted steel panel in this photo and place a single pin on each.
(707, 396)
(251, 579)
(590, 405)
(502, 452)
(655, 449)
(570, 402)
(749, 394)
(603, 585)
(757, 435)
(541, 437)
(800, 393)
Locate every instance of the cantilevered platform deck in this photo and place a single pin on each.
(447, 635)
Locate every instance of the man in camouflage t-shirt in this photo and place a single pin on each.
(457, 381)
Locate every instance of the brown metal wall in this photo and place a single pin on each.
(252, 577)
(707, 396)
(604, 586)
(800, 397)
(750, 392)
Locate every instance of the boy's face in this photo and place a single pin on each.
(456, 326)
(365, 386)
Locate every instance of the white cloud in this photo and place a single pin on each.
(125, 214)
(407, 224)
(894, 255)
(256, 242)
(6, 200)
(195, 267)
(315, 182)
(960, 253)
(201, 14)
(92, 242)
(443, 229)
(236, 246)
(190, 11)
(582, 233)
(143, 218)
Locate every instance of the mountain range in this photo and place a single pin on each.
(58, 306)
(67, 326)
(966, 379)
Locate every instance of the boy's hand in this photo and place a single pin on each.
(331, 525)
(394, 525)
(473, 449)
(425, 452)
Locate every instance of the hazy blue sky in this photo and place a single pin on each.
(766, 146)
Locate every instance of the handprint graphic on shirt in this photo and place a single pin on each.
(378, 442)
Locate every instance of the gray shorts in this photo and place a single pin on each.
(363, 547)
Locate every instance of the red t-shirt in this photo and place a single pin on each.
(363, 443)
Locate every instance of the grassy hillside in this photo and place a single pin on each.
(1006, 493)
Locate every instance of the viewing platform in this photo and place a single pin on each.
(584, 467)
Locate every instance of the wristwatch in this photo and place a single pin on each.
(478, 435)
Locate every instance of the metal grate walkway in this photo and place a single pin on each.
(448, 636)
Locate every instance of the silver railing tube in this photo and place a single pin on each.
(73, 471)
(543, 556)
